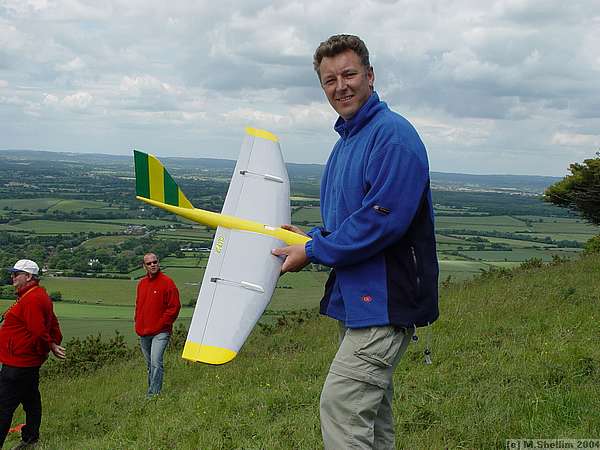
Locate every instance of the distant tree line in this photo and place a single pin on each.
(493, 203)
(509, 235)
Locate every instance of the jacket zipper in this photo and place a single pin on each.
(414, 258)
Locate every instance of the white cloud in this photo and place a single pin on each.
(79, 100)
(261, 118)
(144, 84)
(506, 81)
(575, 139)
(73, 65)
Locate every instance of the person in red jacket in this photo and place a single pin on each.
(28, 333)
(156, 308)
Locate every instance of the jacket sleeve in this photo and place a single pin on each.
(55, 333)
(137, 301)
(171, 312)
(396, 178)
(38, 323)
(315, 230)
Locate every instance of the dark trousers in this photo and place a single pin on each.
(20, 385)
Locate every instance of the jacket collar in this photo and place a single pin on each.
(27, 287)
(156, 277)
(347, 128)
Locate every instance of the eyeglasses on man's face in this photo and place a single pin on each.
(16, 274)
(151, 263)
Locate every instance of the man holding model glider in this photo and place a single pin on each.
(378, 238)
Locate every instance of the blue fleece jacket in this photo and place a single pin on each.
(378, 233)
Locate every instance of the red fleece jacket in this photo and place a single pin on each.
(29, 328)
(156, 305)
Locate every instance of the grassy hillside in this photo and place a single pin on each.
(515, 355)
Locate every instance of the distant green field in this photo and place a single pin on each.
(565, 226)
(105, 241)
(463, 270)
(50, 204)
(579, 237)
(501, 221)
(153, 222)
(60, 227)
(557, 229)
(76, 205)
(186, 233)
(80, 328)
(93, 290)
(307, 214)
(171, 261)
(515, 243)
(488, 223)
(303, 199)
(519, 255)
(30, 204)
(298, 290)
(449, 240)
(100, 310)
(122, 292)
(80, 320)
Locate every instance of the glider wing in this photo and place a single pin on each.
(241, 273)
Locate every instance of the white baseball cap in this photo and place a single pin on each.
(25, 265)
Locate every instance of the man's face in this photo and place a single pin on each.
(20, 279)
(151, 264)
(346, 82)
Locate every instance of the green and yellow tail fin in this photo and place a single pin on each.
(152, 181)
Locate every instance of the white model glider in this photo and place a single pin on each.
(241, 273)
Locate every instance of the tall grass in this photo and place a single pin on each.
(515, 355)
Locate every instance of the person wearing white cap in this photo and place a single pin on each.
(29, 331)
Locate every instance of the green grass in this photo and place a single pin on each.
(307, 214)
(81, 328)
(93, 290)
(467, 222)
(561, 236)
(148, 222)
(512, 358)
(50, 204)
(105, 241)
(76, 205)
(121, 292)
(304, 199)
(29, 204)
(199, 234)
(108, 298)
(565, 227)
(81, 320)
(440, 239)
(60, 227)
(300, 290)
(519, 254)
(171, 261)
(515, 243)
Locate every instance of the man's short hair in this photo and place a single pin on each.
(337, 44)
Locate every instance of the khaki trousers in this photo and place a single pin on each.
(356, 401)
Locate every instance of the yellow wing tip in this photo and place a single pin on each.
(262, 134)
(207, 353)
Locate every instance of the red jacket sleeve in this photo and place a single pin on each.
(55, 333)
(173, 306)
(38, 321)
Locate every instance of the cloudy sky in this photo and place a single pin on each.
(507, 86)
